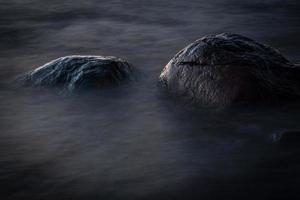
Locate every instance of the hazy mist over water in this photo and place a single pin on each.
(132, 142)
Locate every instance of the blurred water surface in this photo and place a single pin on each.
(132, 142)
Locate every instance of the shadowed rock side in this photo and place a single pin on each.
(220, 70)
(75, 72)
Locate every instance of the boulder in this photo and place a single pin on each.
(227, 69)
(75, 72)
(290, 138)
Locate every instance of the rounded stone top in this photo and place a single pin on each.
(74, 72)
(226, 68)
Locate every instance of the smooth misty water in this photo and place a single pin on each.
(132, 142)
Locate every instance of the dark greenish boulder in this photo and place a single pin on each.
(78, 72)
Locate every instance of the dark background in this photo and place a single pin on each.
(131, 142)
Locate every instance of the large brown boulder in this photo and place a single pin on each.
(226, 69)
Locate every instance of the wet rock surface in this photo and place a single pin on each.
(77, 72)
(227, 69)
